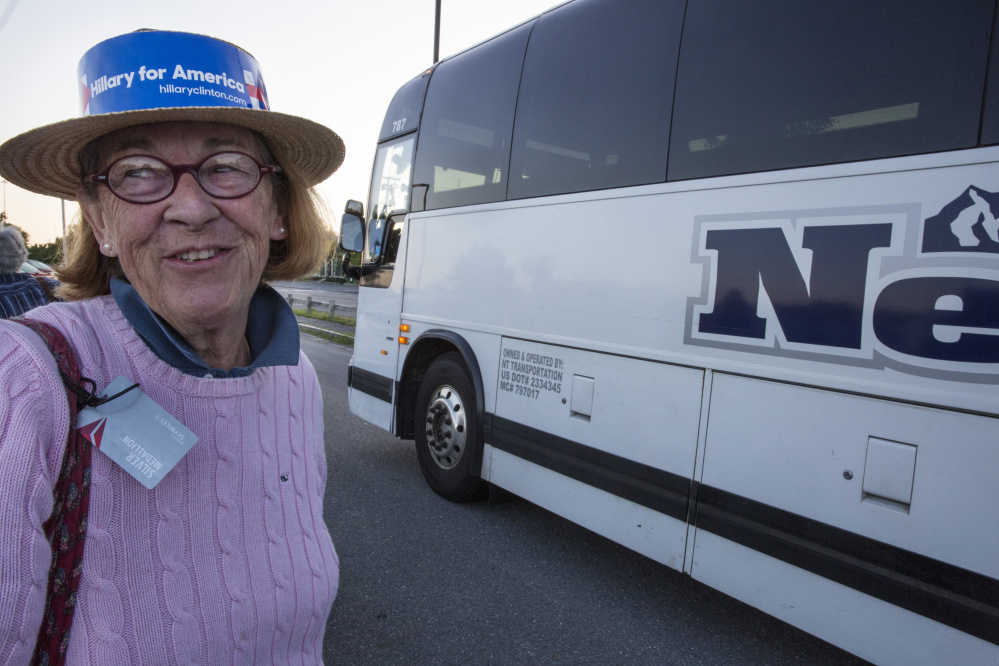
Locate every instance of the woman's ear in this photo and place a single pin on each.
(93, 213)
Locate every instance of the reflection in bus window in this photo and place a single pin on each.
(467, 122)
(373, 244)
(804, 84)
(593, 118)
(390, 185)
(392, 241)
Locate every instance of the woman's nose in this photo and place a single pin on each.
(189, 203)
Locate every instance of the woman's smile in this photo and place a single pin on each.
(202, 256)
(198, 255)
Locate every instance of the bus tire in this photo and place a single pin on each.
(446, 430)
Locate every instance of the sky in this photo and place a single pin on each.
(337, 62)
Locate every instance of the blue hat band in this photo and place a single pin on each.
(155, 70)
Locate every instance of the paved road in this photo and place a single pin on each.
(425, 581)
(345, 295)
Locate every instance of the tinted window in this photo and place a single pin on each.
(403, 114)
(392, 240)
(803, 83)
(595, 99)
(381, 277)
(990, 121)
(464, 146)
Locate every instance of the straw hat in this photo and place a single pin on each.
(147, 77)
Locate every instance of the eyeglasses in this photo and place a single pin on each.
(144, 179)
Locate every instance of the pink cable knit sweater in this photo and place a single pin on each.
(226, 561)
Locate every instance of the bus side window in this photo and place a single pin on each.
(392, 241)
(594, 104)
(464, 145)
(990, 119)
(809, 83)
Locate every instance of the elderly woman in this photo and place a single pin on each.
(19, 292)
(187, 211)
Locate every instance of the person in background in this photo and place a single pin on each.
(190, 202)
(19, 292)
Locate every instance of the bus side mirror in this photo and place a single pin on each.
(351, 232)
(352, 236)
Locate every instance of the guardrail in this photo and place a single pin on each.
(326, 307)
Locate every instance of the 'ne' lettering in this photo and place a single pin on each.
(828, 310)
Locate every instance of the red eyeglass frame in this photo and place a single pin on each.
(177, 170)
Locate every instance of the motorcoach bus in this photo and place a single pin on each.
(718, 280)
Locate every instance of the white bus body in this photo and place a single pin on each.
(783, 382)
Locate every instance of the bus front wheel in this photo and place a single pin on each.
(446, 430)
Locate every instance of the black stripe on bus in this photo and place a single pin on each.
(371, 383)
(953, 596)
(642, 484)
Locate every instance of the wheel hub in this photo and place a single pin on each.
(445, 423)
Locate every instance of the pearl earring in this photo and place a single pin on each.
(281, 229)
(107, 246)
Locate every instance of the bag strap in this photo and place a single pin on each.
(66, 528)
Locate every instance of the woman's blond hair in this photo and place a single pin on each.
(85, 272)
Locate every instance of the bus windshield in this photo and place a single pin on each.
(390, 183)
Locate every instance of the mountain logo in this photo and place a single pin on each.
(966, 224)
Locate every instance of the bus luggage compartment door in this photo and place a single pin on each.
(606, 441)
(854, 518)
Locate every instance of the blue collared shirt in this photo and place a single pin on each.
(19, 293)
(271, 331)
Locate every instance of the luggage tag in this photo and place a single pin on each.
(135, 432)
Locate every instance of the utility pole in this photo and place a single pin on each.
(437, 33)
(62, 206)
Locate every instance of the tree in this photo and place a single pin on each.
(4, 222)
(49, 253)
